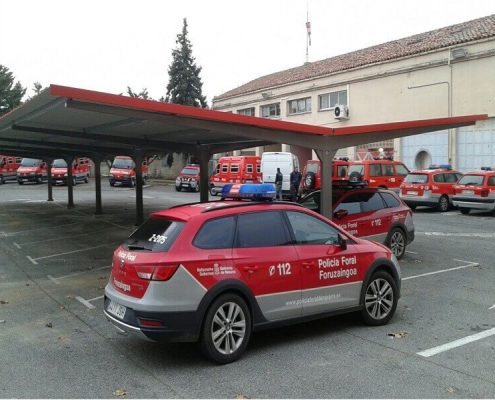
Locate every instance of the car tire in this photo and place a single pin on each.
(74, 181)
(133, 183)
(112, 184)
(2, 181)
(464, 211)
(379, 299)
(226, 312)
(309, 180)
(212, 190)
(39, 180)
(86, 179)
(412, 207)
(197, 188)
(443, 204)
(178, 188)
(397, 242)
(20, 182)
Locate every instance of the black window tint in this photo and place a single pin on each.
(375, 169)
(372, 202)
(310, 230)
(216, 234)
(262, 229)
(439, 178)
(155, 234)
(450, 178)
(491, 181)
(388, 170)
(351, 203)
(401, 170)
(390, 200)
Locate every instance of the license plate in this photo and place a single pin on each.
(185, 184)
(116, 309)
(412, 193)
(468, 192)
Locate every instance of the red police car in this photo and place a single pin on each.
(433, 187)
(188, 178)
(215, 272)
(476, 191)
(370, 213)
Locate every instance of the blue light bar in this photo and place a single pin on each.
(486, 168)
(441, 166)
(256, 191)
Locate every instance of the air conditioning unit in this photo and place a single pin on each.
(341, 111)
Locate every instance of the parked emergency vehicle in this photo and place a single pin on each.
(240, 169)
(215, 272)
(80, 171)
(382, 173)
(188, 178)
(287, 162)
(8, 168)
(32, 170)
(312, 174)
(370, 213)
(476, 191)
(433, 187)
(123, 171)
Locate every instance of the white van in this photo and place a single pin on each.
(271, 160)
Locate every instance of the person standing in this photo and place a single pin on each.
(295, 180)
(279, 178)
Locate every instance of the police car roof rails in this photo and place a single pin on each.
(486, 168)
(249, 191)
(440, 166)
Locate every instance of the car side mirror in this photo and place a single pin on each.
(342, 241)
(340, 214)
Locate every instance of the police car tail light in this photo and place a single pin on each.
(164, 272)
(251, 191)
(144, 271)
(150, 323)
(484, 192)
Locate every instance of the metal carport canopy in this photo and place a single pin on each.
(76, 122)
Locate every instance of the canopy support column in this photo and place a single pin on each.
(326, 158)
(203, 154)
(98, 209)
(138, 160)
(49, 174)
(70, 187)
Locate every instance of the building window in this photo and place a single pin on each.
(270, 110)
(299, 106)
(329, 100)
(246, 111)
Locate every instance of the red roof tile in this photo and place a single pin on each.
(424, 42)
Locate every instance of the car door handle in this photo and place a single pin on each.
(250, 268)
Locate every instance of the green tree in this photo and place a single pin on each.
(10, 94)
(185, 86)
(141, 95)
(37, 88)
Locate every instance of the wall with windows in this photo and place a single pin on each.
(429, 85)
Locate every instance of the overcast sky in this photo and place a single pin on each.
(107, 45)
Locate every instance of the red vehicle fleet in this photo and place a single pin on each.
(80, 171)
(209, 272)
(476, 191)
(8, 168)
(380, 173)
(240, 169)
(123, 171)
(433, 187)
(32, 170)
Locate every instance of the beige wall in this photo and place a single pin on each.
(421, 87)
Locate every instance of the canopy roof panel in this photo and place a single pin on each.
(65, 120)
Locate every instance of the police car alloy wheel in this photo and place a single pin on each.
(397, 242)
(443, 203)
(226, 329)
(379, 299)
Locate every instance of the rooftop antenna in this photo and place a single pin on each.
(308, 29)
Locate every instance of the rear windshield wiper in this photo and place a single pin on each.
(137, 247)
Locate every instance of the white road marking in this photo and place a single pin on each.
(96, 298)
(46, 227)
(441, 271)
(63, 238)
(32, 260)
(85, 302)
(56, 279)
(492, 307)
(457, 343)
(17, 245)
(68, 252)
(411, 252)
(485, 235)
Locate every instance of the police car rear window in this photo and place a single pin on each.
(471, 180)
(156, 234)
(416, 178)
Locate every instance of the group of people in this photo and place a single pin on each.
(295, 180)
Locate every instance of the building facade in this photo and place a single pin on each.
(442, 73)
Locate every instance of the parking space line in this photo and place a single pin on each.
(411, 252)
(17, 245)
(85, 302)
(37, 229)
(32, 260)
(56, 279)
(67, 252)
(441, 271)
(457, 343)
(96, 298)
(61, 238)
